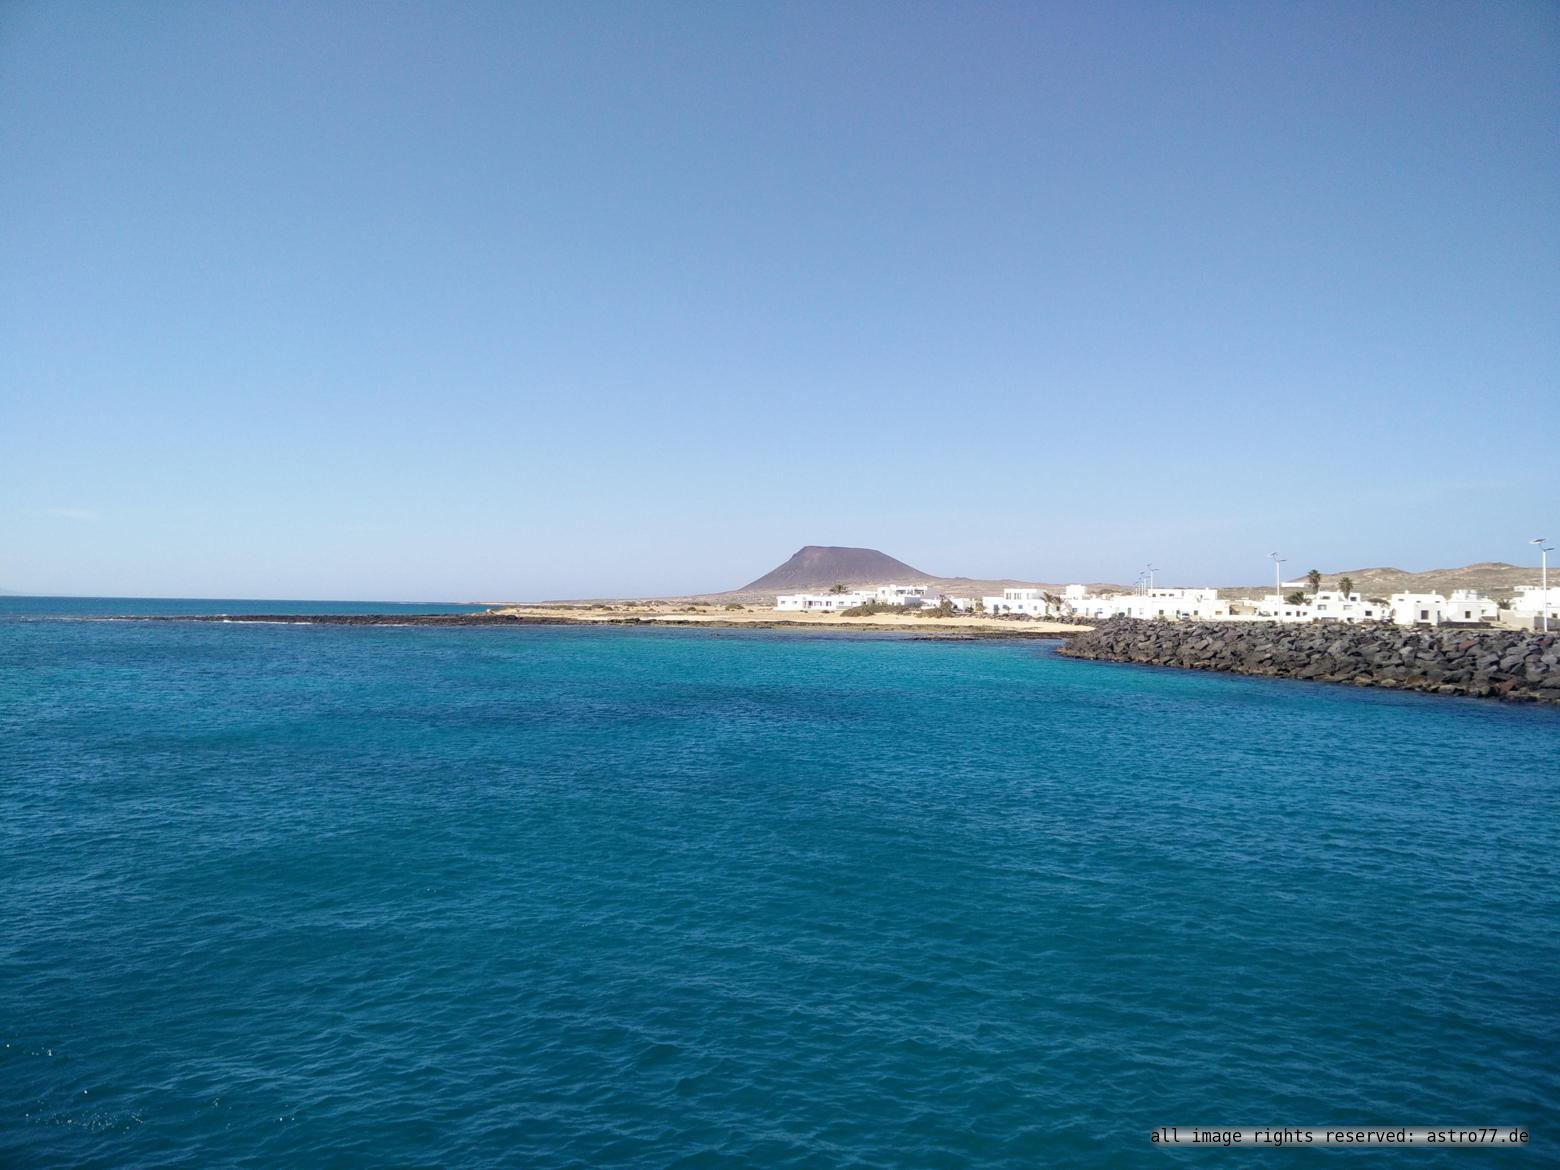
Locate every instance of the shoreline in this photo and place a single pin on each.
(1492, 664)
(943, 629)
(1509, 666)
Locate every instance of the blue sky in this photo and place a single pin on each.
(491, 300)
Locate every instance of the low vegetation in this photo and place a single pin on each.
(943, 608)
(868, 608)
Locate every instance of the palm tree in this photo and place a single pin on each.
(1314, 580)
(1346, 585)
(836, 588)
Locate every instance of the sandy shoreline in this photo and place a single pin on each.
(773, 619)
(509, 616)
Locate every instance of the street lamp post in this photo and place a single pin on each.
(1544, 549)
(1278, 584)
(1151, 571)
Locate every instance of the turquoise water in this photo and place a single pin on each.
(18, 608)
(282, 896)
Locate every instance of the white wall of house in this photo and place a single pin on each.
(1468, 605)
(1020, 600)
(1195, 604)
(903, 595)
(1084, 604)
(1526, 611)
(1272, 607)
(1334, 606)
(1418, 609)
(1529, 599)
(911, 595)
(821, 602)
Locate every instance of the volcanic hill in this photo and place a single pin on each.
(819, 566)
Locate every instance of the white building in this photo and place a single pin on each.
(912, 596)
(1194, 604)
(1463, 607)
(1527, 607)
(1273, 608)
(821, 602)
(1191, 604)
(1077, 601)
(1418, 609)
(1025, 601)
(1467, 605)
(1333, 606)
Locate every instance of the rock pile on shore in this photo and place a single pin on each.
(1504, 664)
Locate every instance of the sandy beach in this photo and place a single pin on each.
(767, 618)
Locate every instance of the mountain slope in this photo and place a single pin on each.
(818, 566)
(1495, 578)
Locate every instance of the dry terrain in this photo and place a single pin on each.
(765, 617)
(1493, 578)
(814, 568)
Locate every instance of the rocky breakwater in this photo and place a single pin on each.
(1503, 664)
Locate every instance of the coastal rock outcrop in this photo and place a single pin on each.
(1502, 664)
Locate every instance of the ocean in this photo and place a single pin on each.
(320, 896)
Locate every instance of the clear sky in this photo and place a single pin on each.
(455, 301)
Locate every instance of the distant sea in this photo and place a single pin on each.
(13, 607)
(297, 896)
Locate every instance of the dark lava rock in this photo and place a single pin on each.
(1515, 665)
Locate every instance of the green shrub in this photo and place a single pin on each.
(868, 608)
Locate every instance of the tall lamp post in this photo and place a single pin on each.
(1278, 585)
(1544, 549)
(1151, 571)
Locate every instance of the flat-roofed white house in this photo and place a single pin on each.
(1469, 605)
(1151, 604)
(1025, 601)
(1526, 611)
(1417, 609)
(1193, 604)
(912, 596)
(1272, 607)
(1096, 606)
(1463, 607)
(821, 602)
(1330, 605)
(1530, 599)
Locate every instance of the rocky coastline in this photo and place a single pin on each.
(931, 630)
(1513, 665)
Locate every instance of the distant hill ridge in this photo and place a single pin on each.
(818, 566)
(1495, 578)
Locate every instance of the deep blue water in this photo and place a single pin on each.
(557, 897)
(17, 608)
